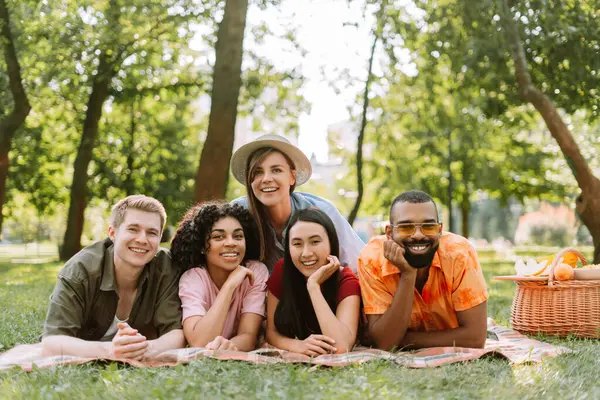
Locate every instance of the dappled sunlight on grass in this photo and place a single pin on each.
(24, 300)
(28, 274)
(571, 375)
(500, 292)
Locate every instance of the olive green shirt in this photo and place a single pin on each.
(84, 301)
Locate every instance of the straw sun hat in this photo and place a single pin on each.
(239, 160)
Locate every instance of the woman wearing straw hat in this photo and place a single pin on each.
(271, 168)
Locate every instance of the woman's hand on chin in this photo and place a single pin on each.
(323, 273)
(237, 276)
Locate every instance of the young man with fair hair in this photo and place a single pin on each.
(422, 287)
(118, 298)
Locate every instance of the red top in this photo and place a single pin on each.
(349, 285)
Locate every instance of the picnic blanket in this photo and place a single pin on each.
(502, 342)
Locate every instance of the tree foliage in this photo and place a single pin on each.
(525, 51)
(429, 129)
(148, 122)
(10, 121)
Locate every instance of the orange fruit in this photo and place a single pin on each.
(563, 272)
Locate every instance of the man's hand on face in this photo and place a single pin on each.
(395, 254)
(128, 343)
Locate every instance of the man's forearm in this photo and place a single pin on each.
(171, 340)
(67, 345)
(391, 327)
(460, 337)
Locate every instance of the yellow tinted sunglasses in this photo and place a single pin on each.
(427, 228)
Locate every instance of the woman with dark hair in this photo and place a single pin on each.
(271, 168)
(313, 305)
(223, 287)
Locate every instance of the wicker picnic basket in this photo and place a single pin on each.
(560, 308)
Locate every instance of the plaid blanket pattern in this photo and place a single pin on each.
(502, 342)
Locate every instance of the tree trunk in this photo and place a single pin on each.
(130, 157)
(465, 210)
(588, 202)
(213, 170)
(4, 165)
(78, 197)
(361, 134)
(21, 107)
(451, 227)
(596, 248)
(465, 203)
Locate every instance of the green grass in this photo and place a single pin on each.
(24, 291)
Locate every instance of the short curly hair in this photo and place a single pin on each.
(413, 197)
(191, 239)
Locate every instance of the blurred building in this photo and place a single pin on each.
(549, 225)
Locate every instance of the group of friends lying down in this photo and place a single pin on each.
(276, 265)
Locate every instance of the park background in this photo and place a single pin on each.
(491, 106)
(102, 99)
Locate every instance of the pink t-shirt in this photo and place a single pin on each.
(198, 292)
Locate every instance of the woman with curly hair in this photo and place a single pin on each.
(271, 168)
(223, 287)
(313, 305)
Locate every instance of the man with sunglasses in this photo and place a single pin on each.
(421, 287)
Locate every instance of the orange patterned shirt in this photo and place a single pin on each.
(455, 283)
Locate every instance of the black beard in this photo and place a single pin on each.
(419, 260)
